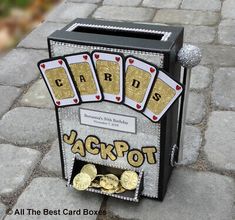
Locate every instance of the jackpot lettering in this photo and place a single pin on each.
(119, 148)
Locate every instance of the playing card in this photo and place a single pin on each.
(57, 77)
(110, 69)
(139, 80)
(84, 75)
(165, 91)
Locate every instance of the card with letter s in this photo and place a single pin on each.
(110, 70)
(164, 94)
(84, 75)
(56, 75)
(139, 79)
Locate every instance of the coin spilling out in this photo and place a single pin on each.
(81, 181)
(89, 169)
(108, 183)
(129, 180)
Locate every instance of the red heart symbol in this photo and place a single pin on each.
(60, 62)
(75, 100)
(97, 97)
(117, 59)
(131, 61)
(57, 102)
(138, 106)
(178, 87)
(85, 57)
(155, 118)
(43, 66)
(118, 98)
(97, 56)
(152, 70)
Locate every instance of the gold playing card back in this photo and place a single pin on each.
(160, 96)
(109, 76)
(136, 84)
(84, 78)
(59, 83)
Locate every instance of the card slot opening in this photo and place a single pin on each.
(118, 31)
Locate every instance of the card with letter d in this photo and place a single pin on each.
(56, 75)
(110, 69)
(139, 80)
(84, 75)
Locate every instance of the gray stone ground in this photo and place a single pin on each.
(202, 188)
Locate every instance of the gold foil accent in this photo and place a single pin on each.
(111, 84)
(84, 78)
(140, 79)
(59, 83)
(157, 104)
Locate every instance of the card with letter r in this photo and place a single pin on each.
(110, 70)
(164, 94)
(139, 79)
(84, 75)
(57, 77)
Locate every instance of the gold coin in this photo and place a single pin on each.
(81, 181)
(109, 181)
(89, 169)
(129, 180)
(120, 189)
(110, 191)
(95, 184)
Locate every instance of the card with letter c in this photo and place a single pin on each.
(84, 75)
(139, 79)
(56, 75)
(164, 93)
(110, 70)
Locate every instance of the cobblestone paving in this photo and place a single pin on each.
(201, 188)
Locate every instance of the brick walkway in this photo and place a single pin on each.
(201, 188)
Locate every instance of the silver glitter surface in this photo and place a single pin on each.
(148, 134)
(189, 56)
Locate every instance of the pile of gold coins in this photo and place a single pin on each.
(108, 183)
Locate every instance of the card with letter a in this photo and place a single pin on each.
(84, 75)
(139, 80)
(57, 77)
(163, 95)
(110, 69)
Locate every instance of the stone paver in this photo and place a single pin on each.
(199, 34)
(196, 108)
(38, 37)
(2, 210)
(200, 78)
(171, 16)
(223, 93)
(7, 97)
(28, 126)
(202, 5)
(191, 195)
(220, 140)
(226, 32)
(218, 55)
(192, 144)
(69, 11)
(124, 13)
(122, 2)
(228, 9)
(51, 161)
(37, 96)
(51, 193)
(23, 66)
(17, 164)
(161, 3)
